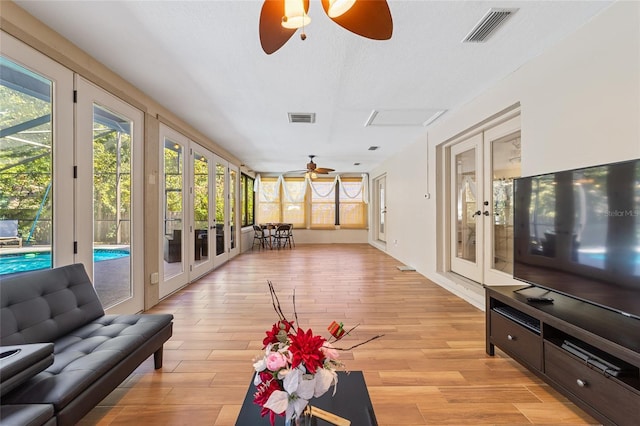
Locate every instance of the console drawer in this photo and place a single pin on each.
(611, 399)
(516, 340)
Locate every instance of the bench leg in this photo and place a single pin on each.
(157, 358)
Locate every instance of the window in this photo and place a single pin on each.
(321, 203)
(352, 212)
(269, 200)
(247, 199)
(293, 201)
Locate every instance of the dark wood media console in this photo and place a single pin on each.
(588, 353)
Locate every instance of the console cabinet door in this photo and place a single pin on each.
(591, 386)
(516, 340)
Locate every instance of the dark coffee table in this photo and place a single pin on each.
(351, 402)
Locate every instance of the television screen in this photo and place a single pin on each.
(577, 232)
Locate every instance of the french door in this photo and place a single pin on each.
(76, 188)
(226, 215)
(109, 194)
(482, 168)
(198, 210)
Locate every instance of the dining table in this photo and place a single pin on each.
(270, 228)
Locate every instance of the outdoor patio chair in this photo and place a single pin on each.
(9, 232)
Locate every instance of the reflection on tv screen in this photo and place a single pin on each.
(578, 232)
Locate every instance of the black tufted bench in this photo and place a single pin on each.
(93, 352)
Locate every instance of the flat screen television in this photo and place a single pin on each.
(577, 232)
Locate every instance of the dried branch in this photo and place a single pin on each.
(359, 344)
(276, 302)
(295, 313)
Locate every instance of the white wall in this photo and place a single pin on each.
(580, 106)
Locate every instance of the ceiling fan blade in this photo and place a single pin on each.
(367, 18)
(323, 170)
(272, 34)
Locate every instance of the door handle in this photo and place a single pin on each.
(478, 213)
(486, 213)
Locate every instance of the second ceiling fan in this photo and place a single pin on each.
(280, 19)
(313, 169)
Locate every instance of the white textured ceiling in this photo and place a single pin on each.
(203, 61)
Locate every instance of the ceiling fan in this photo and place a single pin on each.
(313, 169)
(280, 19)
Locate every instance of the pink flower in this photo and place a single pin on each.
(329, 351)
(276, 361)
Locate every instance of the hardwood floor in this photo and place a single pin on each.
(430, 368)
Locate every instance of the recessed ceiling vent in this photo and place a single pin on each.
(302, 117)
(488, 24)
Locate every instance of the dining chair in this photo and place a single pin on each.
(259, 237)
(291, 234)
(282, 236)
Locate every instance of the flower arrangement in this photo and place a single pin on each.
(297, 365)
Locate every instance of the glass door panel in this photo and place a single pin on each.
(506, 167)
(202, 217)
(502, 147)
(466, 196)
(112, 189)
(26, 169)
(466, 201)
(221, 207)
(233, 214)
(381, 204)
(200, 207)
(174, 231)
(109, 194)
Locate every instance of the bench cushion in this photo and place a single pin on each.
(27, 415)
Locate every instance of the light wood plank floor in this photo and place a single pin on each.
(430, 368)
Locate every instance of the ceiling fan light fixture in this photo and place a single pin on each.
(339, 7)
(294, 15)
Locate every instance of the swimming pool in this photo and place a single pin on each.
(31, 261)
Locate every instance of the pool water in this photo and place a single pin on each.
(22, 262)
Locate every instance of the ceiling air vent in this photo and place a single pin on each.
(302, 117)
(487, 25)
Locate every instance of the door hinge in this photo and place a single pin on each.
(75, 96)
(75, 172)
(75, 247)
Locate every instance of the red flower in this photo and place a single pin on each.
(279, 327)
(305, 349)
(265, 389)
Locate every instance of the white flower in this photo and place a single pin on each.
(260, 365)
(299, 388)
(324, 378)
(291, 379)
(278, 402)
